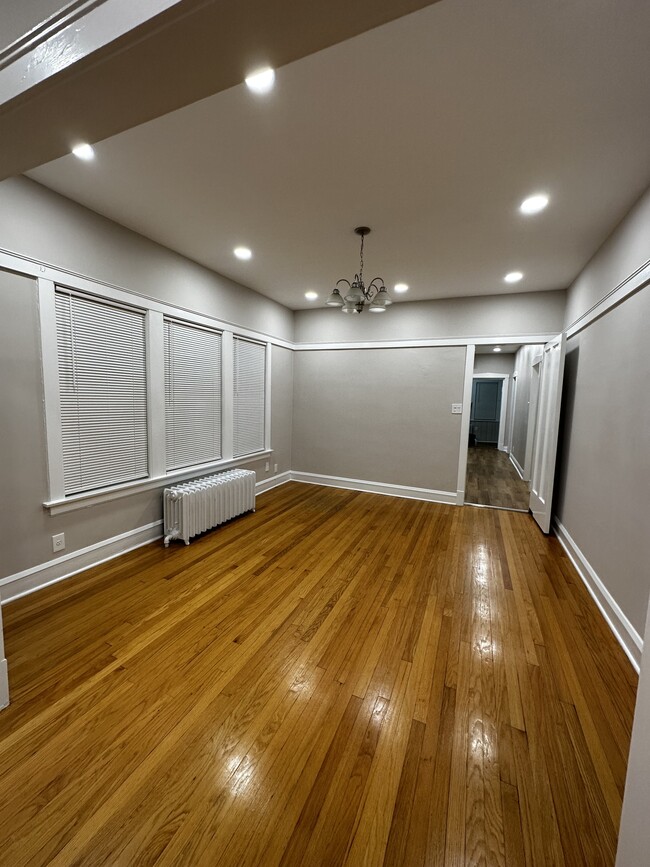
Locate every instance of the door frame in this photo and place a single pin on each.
(501, 445)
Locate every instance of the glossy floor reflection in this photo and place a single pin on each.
(339, 678)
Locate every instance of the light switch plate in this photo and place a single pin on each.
(457, 408)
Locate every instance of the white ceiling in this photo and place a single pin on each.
(430, 129)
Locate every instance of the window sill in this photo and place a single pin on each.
(93, 498)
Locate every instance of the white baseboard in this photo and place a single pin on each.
(272, 482)
(4, 684)
(430, 495)
(625, 633)
(14, 586)
(515, 463)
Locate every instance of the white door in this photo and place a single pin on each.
(547, 425)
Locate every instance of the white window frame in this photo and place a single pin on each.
(155, 314)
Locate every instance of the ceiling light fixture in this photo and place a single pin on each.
(401, 287)
(357, 295)
(261, 81)
(534, 204)
(83, 151)
(311, 296)
(242, 253)
(497, 349)
(513, 277)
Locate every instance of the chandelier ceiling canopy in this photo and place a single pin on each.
(356, 296)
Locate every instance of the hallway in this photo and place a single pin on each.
(493, 481)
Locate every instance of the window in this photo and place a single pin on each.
(139, 393)
(192, 394)
(102, 392)
(249, 396)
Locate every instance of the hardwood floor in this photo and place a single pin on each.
(493, 481)
(339, 678)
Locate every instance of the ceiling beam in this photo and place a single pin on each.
(192, 50)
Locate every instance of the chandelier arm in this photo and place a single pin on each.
(343, 280)
(375, 285)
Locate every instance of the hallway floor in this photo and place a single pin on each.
(493, 481)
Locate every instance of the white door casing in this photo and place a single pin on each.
(547, 424)
(4, 675)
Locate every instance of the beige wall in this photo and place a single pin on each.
(40, 224)
(489, 316)
(381, 415)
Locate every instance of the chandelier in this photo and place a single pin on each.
(357, 295)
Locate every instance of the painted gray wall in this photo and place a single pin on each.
(488, 316)
(604, 470)
(634, 832)
(26, 527)
(626, 250)
(523, 361)
(40, 224)
(381, 415)
(494, 363)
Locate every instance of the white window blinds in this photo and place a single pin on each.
(192, 395)
(103, 392)
(249, 397)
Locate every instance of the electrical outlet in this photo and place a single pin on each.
(275, 468)
(58, 542)
(266, 468)
(457, 408)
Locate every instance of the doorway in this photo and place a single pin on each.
(492, 479)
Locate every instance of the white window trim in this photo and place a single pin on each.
(92, 498)
(158, 477)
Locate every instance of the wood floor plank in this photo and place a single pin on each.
(338, 678)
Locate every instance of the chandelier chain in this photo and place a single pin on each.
(361, 261)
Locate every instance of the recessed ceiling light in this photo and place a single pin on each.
(311, 296)
(261, 81)
(401, 287)
(513, 277)
(497, 349)
(534, 204)
(242, 252)
(83, 151)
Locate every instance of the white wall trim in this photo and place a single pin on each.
(625, 633)
(92, 498)
(37, 577)
(76, 31)
(515, 463)
(384, 488)
(631, 284)
(427, 342)
(272, 482)
(92, 286)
